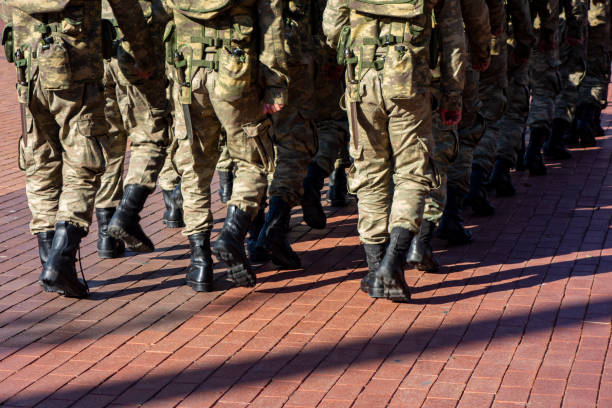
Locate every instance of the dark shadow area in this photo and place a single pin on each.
(398, 348)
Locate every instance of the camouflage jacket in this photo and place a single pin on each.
(448, 18)
(519, 14)
(478, 29)
(299, 17)
(252, 27)
(70, 50)
(576, 18)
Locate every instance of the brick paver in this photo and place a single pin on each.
(519, 318)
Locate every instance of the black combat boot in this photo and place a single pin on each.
(555, 145)
(173, 216)
(451, 226)
(273, 236)
(200, 273)
(337, 188)
(388, 281)
(59, 273)
(586, 116)
(45, 240)
(314, 215)
(226, 184)
(108, 247)
(256, 255)
(533, 156)
(374, 255)
(421, 252)
(124, 224)
(229, 247)
(501, 179)
(599, 130)
(477, 197)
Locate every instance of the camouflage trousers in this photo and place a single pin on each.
(169, 177)
(514, 119)
(445, 152)
(64, 156)
(139, 112)
(333, 145)
(492, 93)
(295, 136)
(391, 172)
(594, 87)
(572, 72)
(248, 143)
(471, 129)
(545, 84)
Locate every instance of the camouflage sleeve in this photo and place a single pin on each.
(478, 30)
(453, 54)
(522, 28)
(6, 14)
(133, 25)
(576, 17)
(496, 16)
(336, 15)
(272, 57)
(548, 12)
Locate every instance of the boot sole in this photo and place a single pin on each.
(132, 243)
(238, 270)
(173, 224)
(199, 286)
(395, 295)
(311, 215)
(61, 287)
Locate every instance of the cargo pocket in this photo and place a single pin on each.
(86, 146)
(354, 181)
(258, 134)
(406, 73)
(54, 65)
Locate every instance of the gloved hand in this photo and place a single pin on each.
(450, 117)
(270, 108)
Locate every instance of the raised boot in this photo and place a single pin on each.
(421, 253)
(451, 226)
(200, 273)
(45, 240)
(374, 255)
(273, 236)
(226, 185)
(125, 222)
(312, 209)
(533, 155)
(256, 255)
(173, 216)
(477, 197)
(555, 146)
(586, 116)
(108, 247)
(388, 281)
(337, 187)
(59, 273)
(229, 247)
(501, 179)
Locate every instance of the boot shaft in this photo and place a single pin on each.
(45, 241)
(374, 255)
(134, 198)
(279, 215)
(67, 238)
(200, 247)
(237, 222)
(104, 215)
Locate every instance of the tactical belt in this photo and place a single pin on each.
(384, 41)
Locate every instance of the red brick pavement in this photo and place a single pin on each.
(519, 318)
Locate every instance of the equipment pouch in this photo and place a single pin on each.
(259, 134)
(109, 35)
(390, 8)
(201, 9)
(54, 65)
(34, 7)
(8, 43)
(235, 74)
(406, 73)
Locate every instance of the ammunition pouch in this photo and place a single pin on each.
(8, 43)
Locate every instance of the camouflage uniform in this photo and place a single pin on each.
(64, 157)
(294, 132)
(594, 87)
(169, 177)
(520, 41)
(392, 141)
(136, 109)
